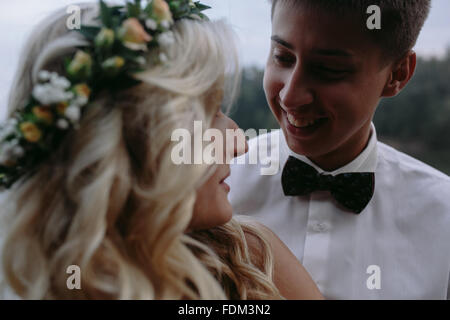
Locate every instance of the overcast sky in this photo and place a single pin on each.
(249, 18)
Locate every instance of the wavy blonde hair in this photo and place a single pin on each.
(110, 199)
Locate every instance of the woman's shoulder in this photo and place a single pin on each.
(257, 235)
(289, 275)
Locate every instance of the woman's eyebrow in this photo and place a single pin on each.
(282, 42)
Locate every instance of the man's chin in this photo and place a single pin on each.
(303, 148)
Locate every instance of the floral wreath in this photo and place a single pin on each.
(115, 52)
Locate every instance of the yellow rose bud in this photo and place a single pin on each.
(113, 65)
(30, 131)
(83, 90)
(61, 107)
(133, 32)
(105, 38)
(162, 11)
(43, 113)
(81, 65)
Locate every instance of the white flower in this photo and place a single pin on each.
(163, 58)
(166, 39)
(141, 61)
(62, 124)
(10, 151)
(18, 152)
(151, 24)
(166, 24)
(43, 75)
(8, 128)
(6, 148)
(48, 93)
(61, 82)
(70, 95)
(73, 113)
(80, 101)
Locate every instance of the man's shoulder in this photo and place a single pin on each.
(408, 163)
(419, 193)
(413, 173)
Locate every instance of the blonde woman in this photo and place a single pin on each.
(108, 197)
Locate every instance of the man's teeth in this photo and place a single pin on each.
(301, 123)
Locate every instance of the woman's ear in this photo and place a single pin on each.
(401, 73)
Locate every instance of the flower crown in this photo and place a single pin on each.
(115, 52)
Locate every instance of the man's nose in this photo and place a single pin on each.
(296, 92)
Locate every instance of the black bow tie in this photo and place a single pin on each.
(352, 190)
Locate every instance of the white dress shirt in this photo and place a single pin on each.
(397, 248)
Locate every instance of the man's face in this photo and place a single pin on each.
(323, 81)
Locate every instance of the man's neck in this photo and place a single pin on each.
(345, 153)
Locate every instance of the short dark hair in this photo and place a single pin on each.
(402, 20)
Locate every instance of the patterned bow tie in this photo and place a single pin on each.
(352, 190)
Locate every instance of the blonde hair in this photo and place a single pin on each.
(110, 199)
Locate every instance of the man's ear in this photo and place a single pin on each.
(401, 73)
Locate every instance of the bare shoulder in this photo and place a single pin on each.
(290, 277)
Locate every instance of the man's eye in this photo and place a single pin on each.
(282, 59)
(330, 72)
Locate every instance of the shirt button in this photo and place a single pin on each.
(320, 227)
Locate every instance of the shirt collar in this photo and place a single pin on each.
(365, 162)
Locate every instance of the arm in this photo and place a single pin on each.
(290, 277)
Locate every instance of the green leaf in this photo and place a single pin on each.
(122, 82)
(174, 6)
(127, 54)
(149, 8)
(116, 9)
(105, 15)
(204, 17)
(201, 6)
(66, 62)
(89, 32)
(134, 10)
